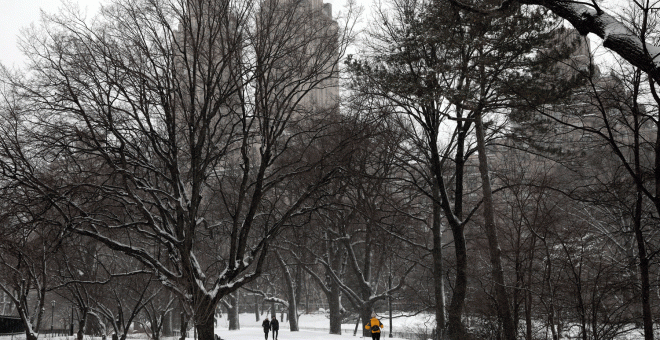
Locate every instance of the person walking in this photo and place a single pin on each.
(375, 326)
(266, 326)
(275, 327)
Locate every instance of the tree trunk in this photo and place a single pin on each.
(299, 284)
(307, 297)
(155, 333)
(81, 325)
(453, 324)
(257, 315)
(184, 326)
(438, 281)
(291, 288)
(528, 315)
(551, 309)
(120, 318)
(528, 301)
(503, 309)
(293, 316)
(365, 315)
(438, 277)
(29, 331)
(334, 305)
(333, 293)
(232, 312)
(167, 324)
(455, 328)
(647, 315)
(206, 329)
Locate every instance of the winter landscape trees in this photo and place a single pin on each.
(170, 131)
(172, 158)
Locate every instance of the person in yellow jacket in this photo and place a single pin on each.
(375, 326)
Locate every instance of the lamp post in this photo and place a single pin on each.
(52, 316)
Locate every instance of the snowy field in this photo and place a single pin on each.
(316, 327)
(312, 327)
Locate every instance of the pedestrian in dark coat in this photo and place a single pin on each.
(275, 327)
(266, 326)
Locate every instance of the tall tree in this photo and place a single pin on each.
(173, 117)
(444, 71)
(29, 234)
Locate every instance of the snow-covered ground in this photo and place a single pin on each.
(312, 327)
(316, 327)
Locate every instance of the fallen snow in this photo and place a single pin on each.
(319, 323)
(312, 327)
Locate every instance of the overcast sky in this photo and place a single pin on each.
(19, 14)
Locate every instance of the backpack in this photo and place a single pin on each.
(375, 328)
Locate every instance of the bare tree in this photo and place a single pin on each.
(25, 256)
(155, 311)
(29, 236)
(172, 117)
(447, 73)
(299, 247)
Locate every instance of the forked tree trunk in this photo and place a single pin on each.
(454, 313)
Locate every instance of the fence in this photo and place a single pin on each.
(49, 333)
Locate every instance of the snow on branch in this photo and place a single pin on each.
(589, 18)
(616, 36)
(267, 297)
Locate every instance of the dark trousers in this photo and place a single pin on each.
(276, 332)
(266, 333)
(375, 336)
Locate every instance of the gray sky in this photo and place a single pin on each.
(16, 15)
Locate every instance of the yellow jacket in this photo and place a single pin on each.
(374, 322)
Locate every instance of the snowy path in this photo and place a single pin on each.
(253, 333)
(312, 327)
